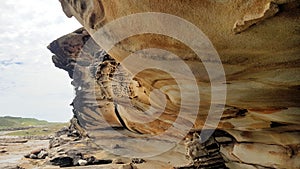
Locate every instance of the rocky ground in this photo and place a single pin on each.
(69, 148)
(65, 148)
(13, 149)
(20, 136)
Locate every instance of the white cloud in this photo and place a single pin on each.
(30, 85)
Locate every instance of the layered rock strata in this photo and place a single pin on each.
(258, 44)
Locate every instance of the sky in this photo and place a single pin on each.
(30, 84)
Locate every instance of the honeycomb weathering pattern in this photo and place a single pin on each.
(261, 65)
(186, 84)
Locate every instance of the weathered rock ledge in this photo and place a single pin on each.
(259, 45)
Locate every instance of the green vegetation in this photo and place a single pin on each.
(8, 122)
(39, 131)
(29, 126)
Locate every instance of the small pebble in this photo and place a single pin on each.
(33, 156)
(82, 162)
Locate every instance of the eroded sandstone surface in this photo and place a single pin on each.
(258, 43)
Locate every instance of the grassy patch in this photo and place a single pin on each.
(8, 122)
(29, 126)
(39, 131)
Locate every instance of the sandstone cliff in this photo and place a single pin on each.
(258, 43)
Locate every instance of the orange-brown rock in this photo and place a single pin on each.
(258, 43)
